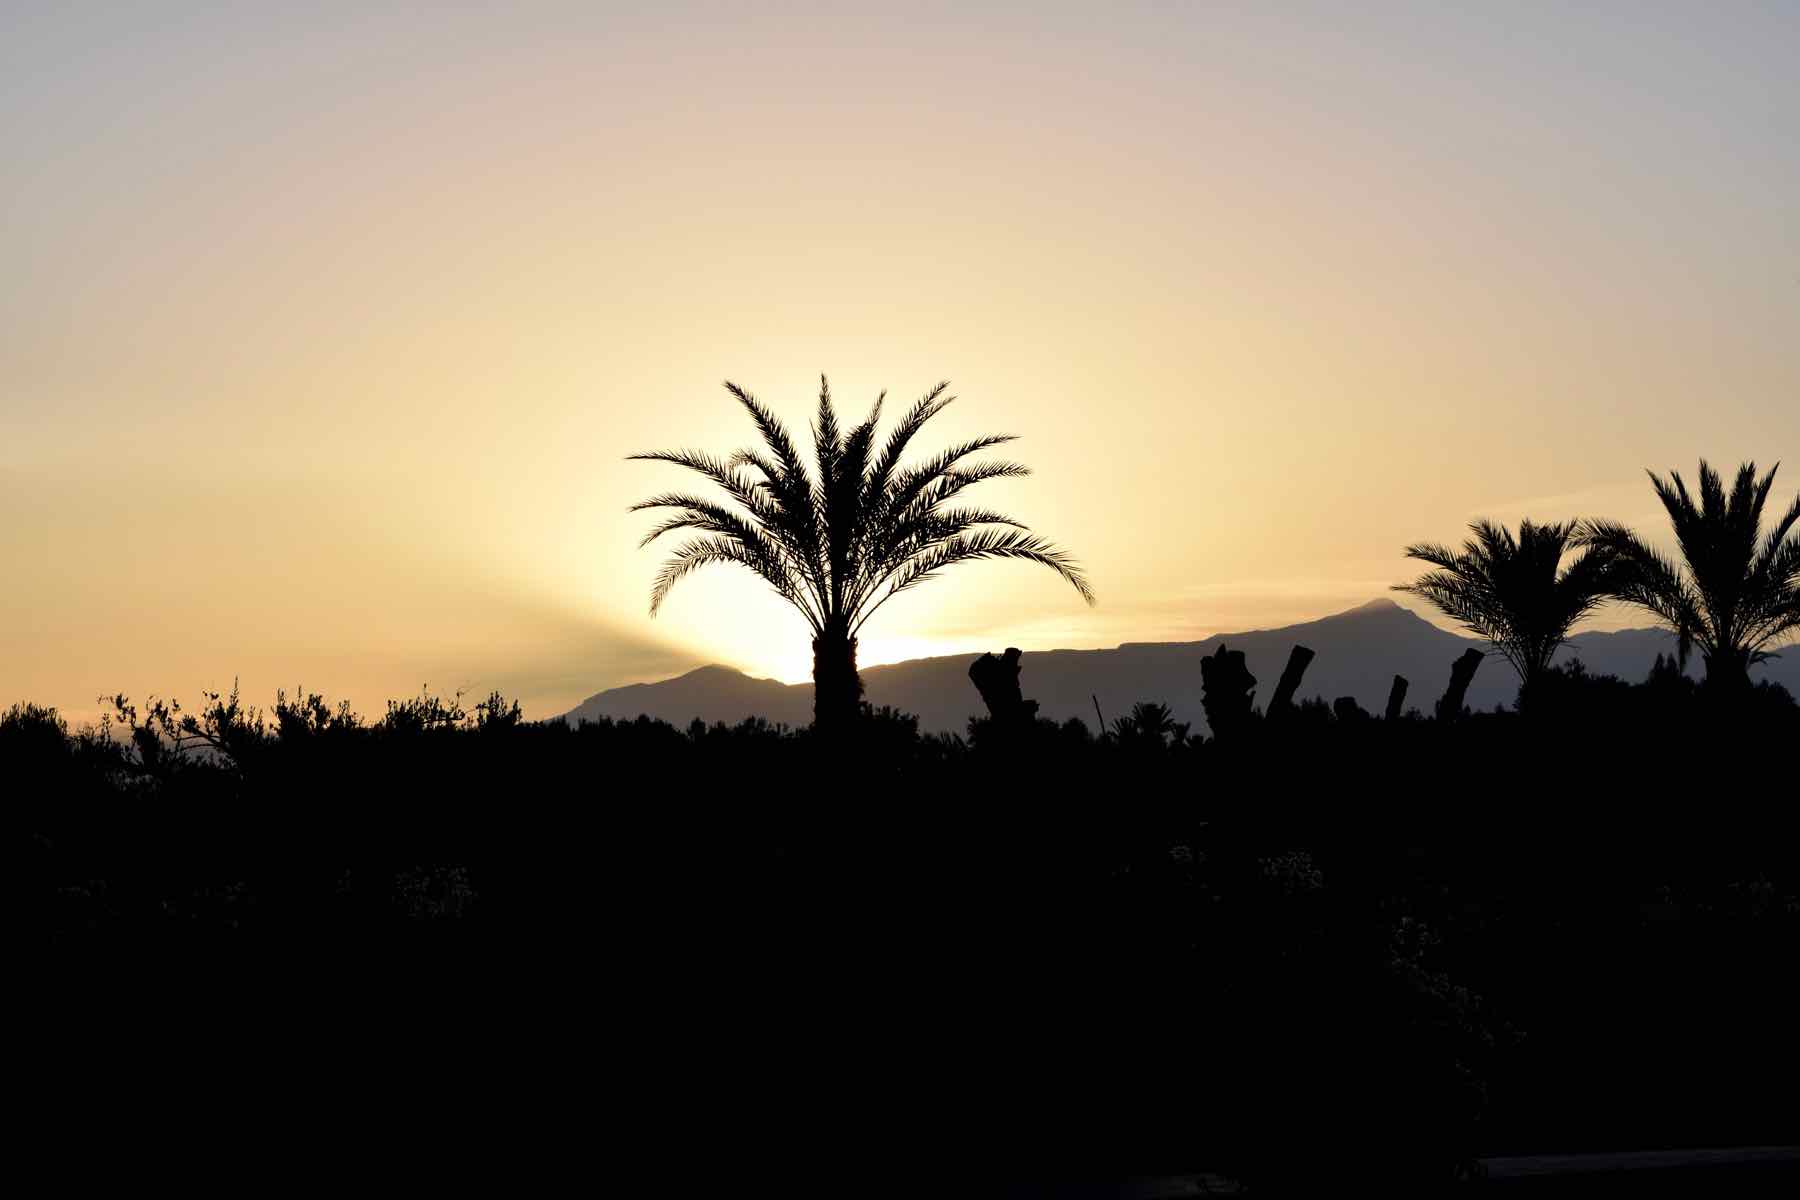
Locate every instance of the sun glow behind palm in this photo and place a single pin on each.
(838, 534)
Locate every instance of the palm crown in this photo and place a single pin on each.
(1737, 591)
(1514, 591)
(838, 540)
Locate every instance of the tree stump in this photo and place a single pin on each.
(1226, 684)
(1396, 698)
(1462, 671)
(997, 679)
(1298, 660)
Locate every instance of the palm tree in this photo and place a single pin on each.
(1515, 592)
(1149, 723)
(1733, 595)
(842, 539)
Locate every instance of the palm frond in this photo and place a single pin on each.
(891, 535)
(927, 530)
(722, 472)
(1514, 591)
(1012, 544)
(1435, 553)
(1735, 590)
(791, 483)
(951, 482)
(1778, 534)
(774, 479)
(858, 523)
(707, 551)
(928, 406)
(694, 513)
(906, 485)
(827, 438)
(1653, 583)
(860, 444)
(774, 433)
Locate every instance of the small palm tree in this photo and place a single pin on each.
(1149, 723)
(842, 539)
(1515, 592)
(1737, 590)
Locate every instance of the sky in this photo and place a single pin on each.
(325, 329)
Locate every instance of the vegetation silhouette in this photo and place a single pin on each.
(1323, 945)
(1736, 591)
(1316, 945)
(1515, 592)
(843, 538)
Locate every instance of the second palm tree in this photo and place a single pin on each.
(1515, 592)
(1736, 592)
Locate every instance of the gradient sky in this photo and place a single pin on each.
(324, 329)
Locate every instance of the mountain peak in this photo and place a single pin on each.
(1378, 607)
(712, 669)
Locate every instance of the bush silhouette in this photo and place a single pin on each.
(1327, 944)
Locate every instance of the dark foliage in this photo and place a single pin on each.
(1326, 946)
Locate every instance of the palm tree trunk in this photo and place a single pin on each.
(1728, 672)
(837, 688)
(1531, 687)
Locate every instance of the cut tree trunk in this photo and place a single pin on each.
(997, 679)
(1225, 687)
(1396, 697)
(1462, 672)
(1298, 660)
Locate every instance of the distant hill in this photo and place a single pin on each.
(1358, 654)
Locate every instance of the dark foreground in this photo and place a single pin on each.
(1327, 953)
(1735, 1171)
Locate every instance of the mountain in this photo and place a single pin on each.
(1358, 654)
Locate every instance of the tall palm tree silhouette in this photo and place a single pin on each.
(1733, 595)
(842, 539)
(1515, 592)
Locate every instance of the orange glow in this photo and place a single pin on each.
(324, 343)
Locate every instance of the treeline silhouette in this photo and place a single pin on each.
(1317, 944)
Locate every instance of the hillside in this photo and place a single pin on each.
(1358, 654)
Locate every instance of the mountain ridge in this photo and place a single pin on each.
(1359, 651)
